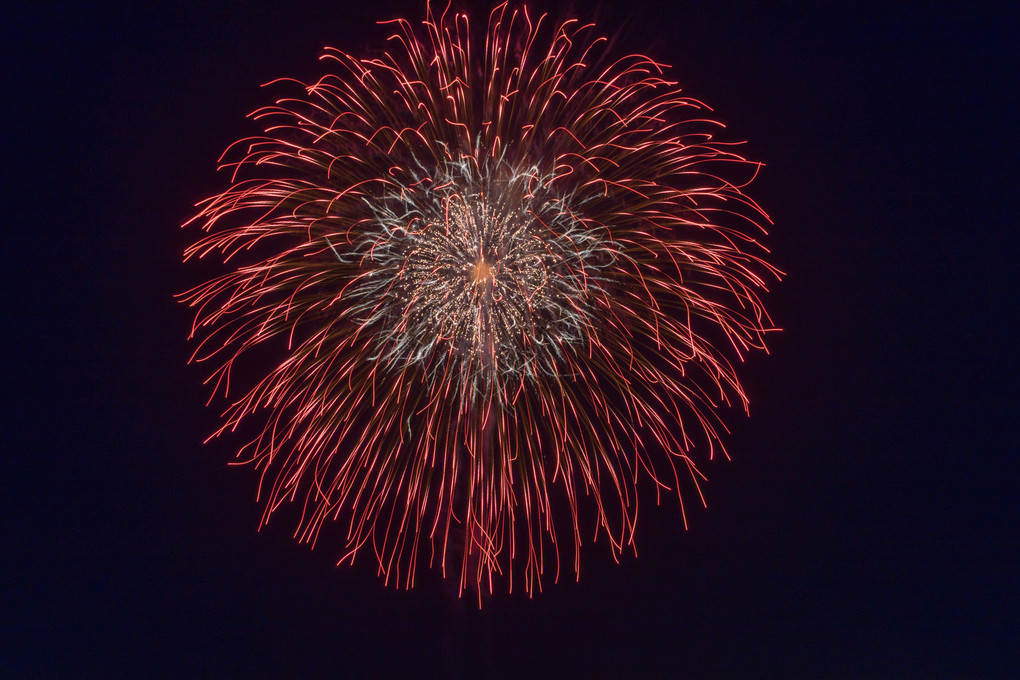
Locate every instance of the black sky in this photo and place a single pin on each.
(866, 527)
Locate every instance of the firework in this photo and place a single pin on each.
(503, 277)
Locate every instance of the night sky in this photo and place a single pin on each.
(866, 526)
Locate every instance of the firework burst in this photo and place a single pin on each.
(503, 276)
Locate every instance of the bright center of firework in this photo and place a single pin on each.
(483, 273)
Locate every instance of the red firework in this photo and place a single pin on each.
(500, 273)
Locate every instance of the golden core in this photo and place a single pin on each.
(482, 273)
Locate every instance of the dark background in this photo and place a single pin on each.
(866, 527)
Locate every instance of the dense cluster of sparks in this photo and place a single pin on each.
(500, 274)
(483, 279)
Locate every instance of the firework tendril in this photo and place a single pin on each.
(504, 278)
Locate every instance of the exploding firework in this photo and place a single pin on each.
(503, 277)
